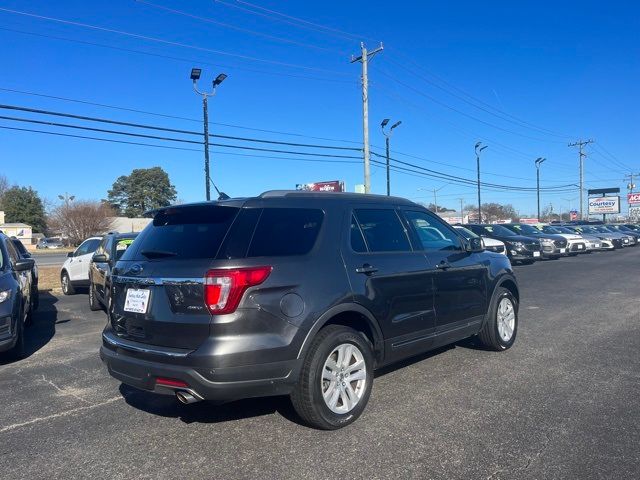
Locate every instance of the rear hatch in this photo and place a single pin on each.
(158, 284)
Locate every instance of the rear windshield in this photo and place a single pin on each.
(183, 233)
(201, 232)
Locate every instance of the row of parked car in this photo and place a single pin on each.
(524, 243)
(304, 294)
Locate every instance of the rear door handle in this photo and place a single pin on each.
(443, 265)
(366, 269)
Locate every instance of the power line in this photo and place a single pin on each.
(176, 58)
(175, 117)
(171, 130)
(169, 42)
(294, 21)
(234, 27)
(460, 112)
(484, 106)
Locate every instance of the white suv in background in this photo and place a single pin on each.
(490, 244)
(75, 270)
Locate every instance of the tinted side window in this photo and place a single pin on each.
(88, 246)
(13, 254)
(433, 233)
(357, 240)
(285, 232)
(383, 230)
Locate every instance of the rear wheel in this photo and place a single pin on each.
(94, 303)
(67, 286)
(500, 329)
(336, 379)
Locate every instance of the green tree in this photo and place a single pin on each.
(145, 189)
(23, 205)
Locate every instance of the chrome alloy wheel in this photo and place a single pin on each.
(506, 319)
(344, 378)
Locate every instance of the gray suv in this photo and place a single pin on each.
(301, 294)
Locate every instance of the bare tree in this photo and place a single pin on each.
(81, 219)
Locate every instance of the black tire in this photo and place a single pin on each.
(307, 396)
(94, 303)
(67, 286)
(489, 336)
(18, 350)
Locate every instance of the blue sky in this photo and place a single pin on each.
(547, 73)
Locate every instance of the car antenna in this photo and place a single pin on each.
(221, 195)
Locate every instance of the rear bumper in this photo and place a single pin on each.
(140, 365)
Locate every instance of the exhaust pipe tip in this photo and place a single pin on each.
(185, 397)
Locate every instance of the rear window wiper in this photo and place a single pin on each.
(158, 253)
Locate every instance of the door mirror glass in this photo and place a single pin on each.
(476, 244)
(99, 258)
(24, 264)
(70, 254)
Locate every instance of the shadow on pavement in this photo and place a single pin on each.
(207, 412)
(42, 328)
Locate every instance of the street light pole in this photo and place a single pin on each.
(388, 137)
(538, 162)
(479, 148)
(195, 76)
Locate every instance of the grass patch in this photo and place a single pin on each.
(49, 278)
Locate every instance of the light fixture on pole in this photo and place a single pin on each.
(195, 76)
(538, 162)
(388, 136)
(479, 148)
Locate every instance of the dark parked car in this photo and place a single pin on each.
(298, 293)
(553, 246)
(520, 248)
(24, 254)
(111, 248)
(16, 298)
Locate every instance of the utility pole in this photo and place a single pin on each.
(631, 185)
(195, 76)
(435, 197)
(479, 150)
(364, 59)
(461, 210)
(388, 137)
(580, 144)
(539, 160)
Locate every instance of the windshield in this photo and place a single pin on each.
(466, 233)
(554, 230)
(525, 229)
(499, 230)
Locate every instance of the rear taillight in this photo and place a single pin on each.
(223, 289)
(170, 382)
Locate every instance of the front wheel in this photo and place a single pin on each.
(499, 331)
(336, 379)
(67, 286)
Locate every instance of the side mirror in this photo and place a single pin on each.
(24, 264)
(99, 258)
(476, 244)
(70, 254)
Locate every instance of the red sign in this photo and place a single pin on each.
(332, 186)
(573, 215)
(633, 198)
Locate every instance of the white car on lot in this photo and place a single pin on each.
(75, 270)
(577, 242)
(491, 244)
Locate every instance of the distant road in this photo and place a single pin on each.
(49, 259)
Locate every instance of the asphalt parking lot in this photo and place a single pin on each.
(564, 402)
